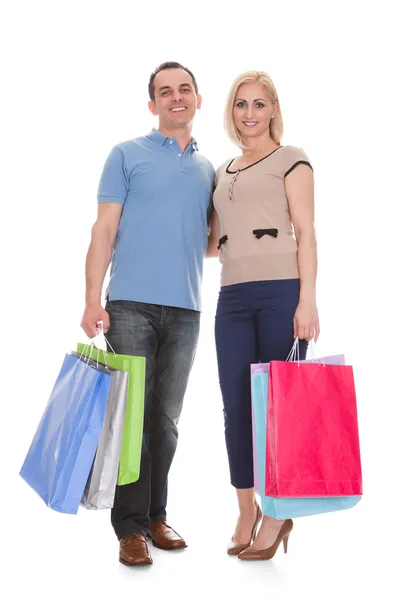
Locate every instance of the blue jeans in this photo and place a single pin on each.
(254, 323)
(167, 337)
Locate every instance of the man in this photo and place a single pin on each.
(155, 197)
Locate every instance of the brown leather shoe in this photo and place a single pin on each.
(270, 552)
(234, 549)
(164, 537)
(133, 551)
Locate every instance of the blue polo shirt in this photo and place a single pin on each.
(162, 235)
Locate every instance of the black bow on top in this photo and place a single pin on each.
(260, 232)
(222, 241)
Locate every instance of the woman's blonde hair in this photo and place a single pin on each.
(276, 124)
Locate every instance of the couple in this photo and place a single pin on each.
(161, 209)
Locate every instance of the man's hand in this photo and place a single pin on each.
(91, 317)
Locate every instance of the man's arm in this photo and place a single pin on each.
(98, 258)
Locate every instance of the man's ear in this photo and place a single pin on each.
(199, 101)
(152, 107)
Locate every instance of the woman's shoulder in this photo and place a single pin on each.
(222, 168)
(291, 157)
(294, 151)
(225, 164)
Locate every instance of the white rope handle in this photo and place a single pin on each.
(107, 342)
(314, 357)
(103, 335)
(294, 354)
(87, 357)
(84, 357)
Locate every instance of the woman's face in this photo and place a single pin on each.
(252, 110)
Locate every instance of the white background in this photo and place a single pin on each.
(74, 78)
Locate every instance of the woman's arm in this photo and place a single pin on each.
(299, 185)
(214, 235)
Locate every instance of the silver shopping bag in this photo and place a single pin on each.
(100, 487)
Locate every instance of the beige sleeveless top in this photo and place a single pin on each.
(257, 237)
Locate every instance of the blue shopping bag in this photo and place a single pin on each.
(62, 451)
(283, 508)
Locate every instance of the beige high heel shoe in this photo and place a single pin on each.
(268, 553)
(234, 548)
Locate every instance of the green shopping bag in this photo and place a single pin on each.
(129, 463)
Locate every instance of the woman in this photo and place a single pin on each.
(263, 227)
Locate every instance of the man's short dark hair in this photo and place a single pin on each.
(163, 67)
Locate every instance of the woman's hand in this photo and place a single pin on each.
(306, 321)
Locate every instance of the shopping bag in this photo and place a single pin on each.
(131, 448)
(61, 454)
(312, 431)
(99, 491)
(283, 508)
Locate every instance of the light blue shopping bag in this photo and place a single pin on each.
(62, 451)
(283, 508)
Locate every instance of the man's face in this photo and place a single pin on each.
(175, 99)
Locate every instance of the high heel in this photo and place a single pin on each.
(268, 553)
(233, 548)
(285, 543)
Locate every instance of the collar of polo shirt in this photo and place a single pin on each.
(159, 138)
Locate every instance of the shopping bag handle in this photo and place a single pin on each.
(294, 354)
(101, 333)
(92, 345)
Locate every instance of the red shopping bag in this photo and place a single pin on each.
(312, 431)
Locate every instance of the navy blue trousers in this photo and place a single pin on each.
(254, 323)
